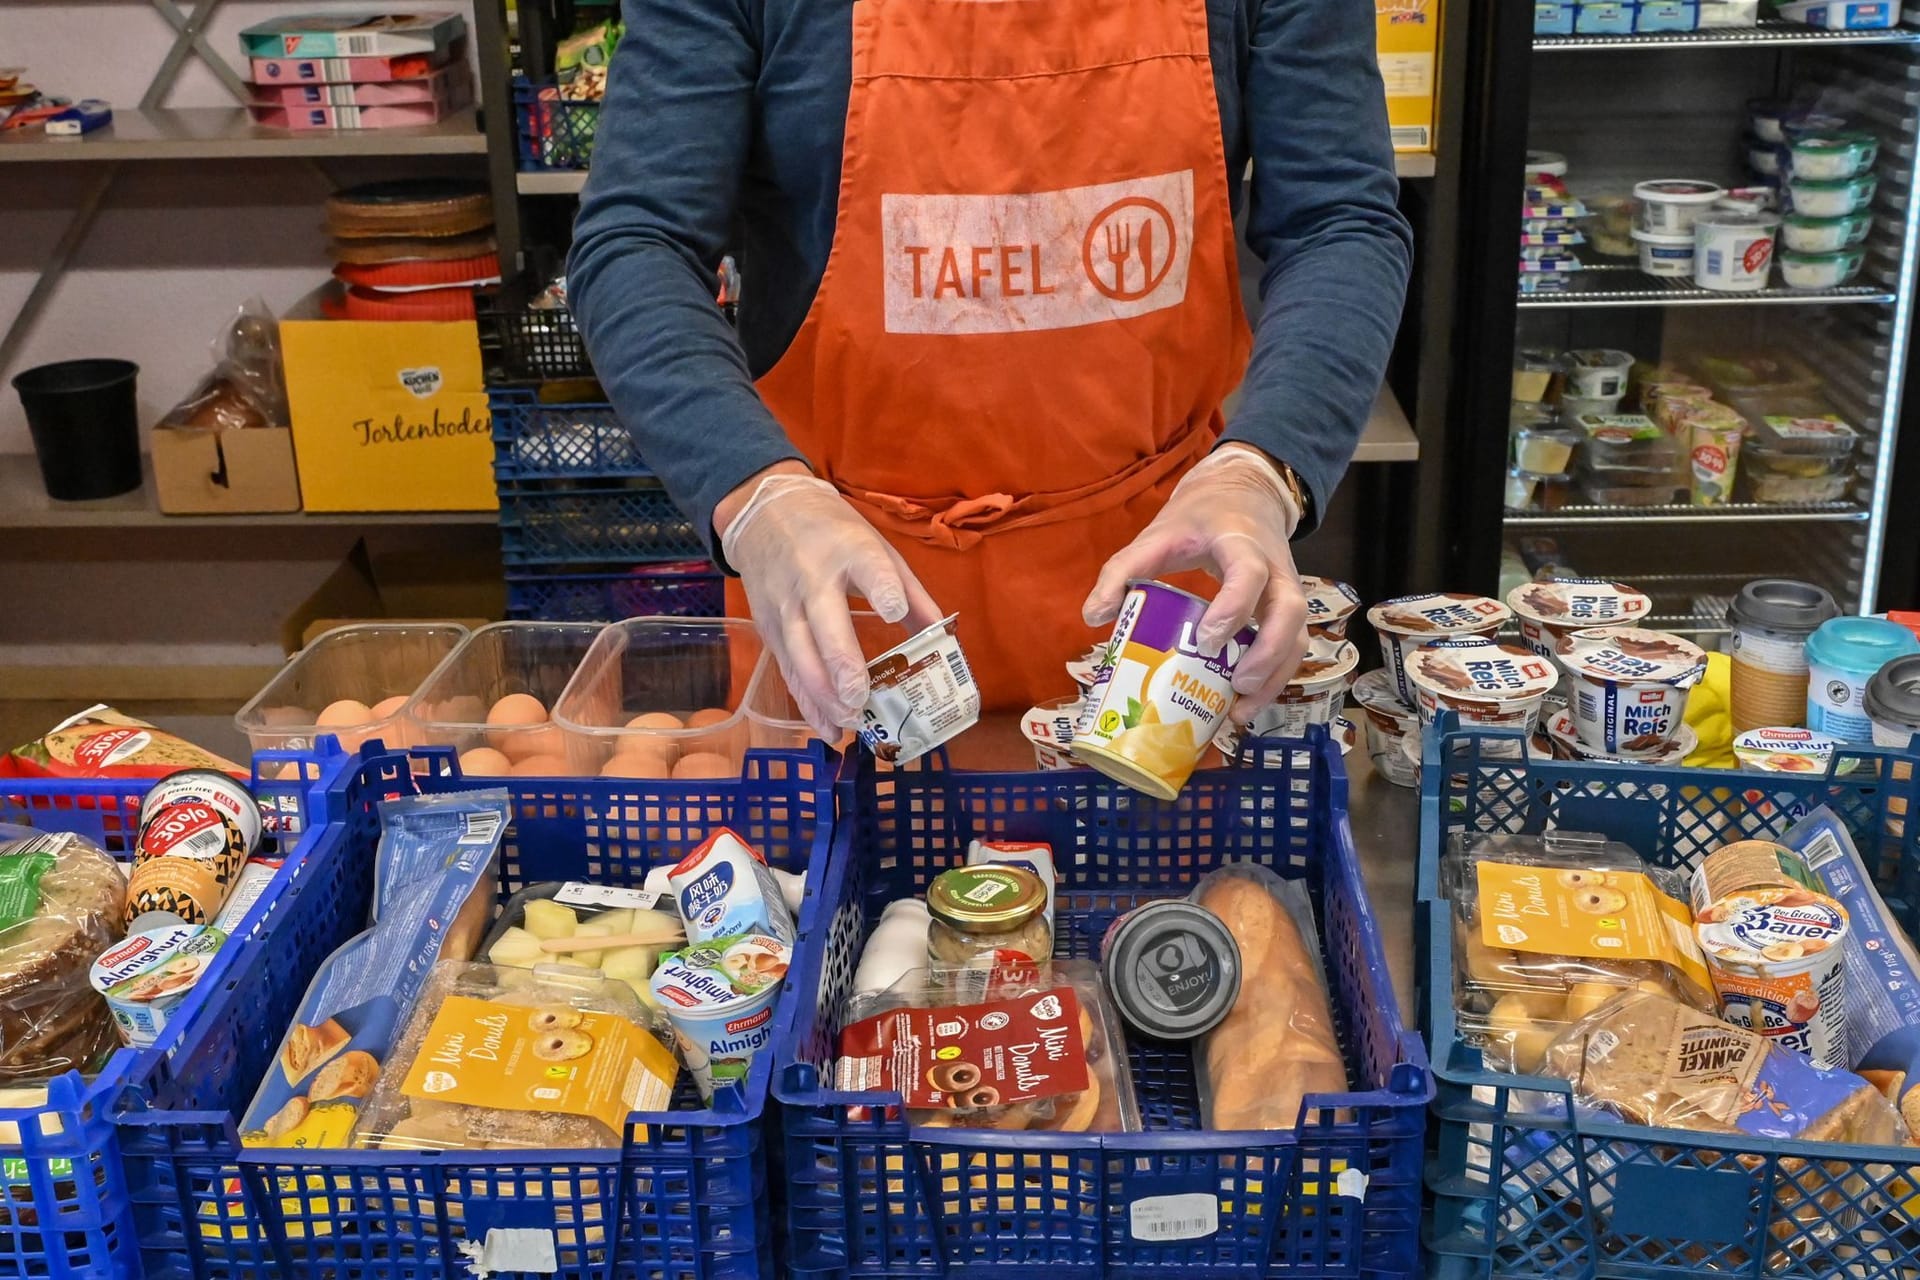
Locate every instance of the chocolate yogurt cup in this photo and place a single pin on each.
(1483, 681)
(1405, 624)
(1629, 687)
(1549, 611)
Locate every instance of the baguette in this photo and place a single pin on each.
(1277, 1045)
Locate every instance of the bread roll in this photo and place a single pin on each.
(1278, 1043)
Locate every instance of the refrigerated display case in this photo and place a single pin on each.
(1612, 112)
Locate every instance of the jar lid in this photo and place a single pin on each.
(1173, 969)
(1893, 695)
(986, 899)
(1632, 656)
(1860, 644)
(1781, 604)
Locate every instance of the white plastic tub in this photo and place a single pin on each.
(1670, 256)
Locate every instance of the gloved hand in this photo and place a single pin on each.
(800, 551)
(1231, 515)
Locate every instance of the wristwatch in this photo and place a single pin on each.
(1302, 496)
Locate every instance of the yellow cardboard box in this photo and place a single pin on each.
(389, 415)
(1408, 35)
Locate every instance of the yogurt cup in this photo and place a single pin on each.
(1893, 702)
(1485, 682)
(1543, 451)
(209, 786)
(1567, 744)
(1828, 157)
(1549, 611)
(1838, 199)
(1767, 118)
(1820, 270)
(1405, 624)
(1669, 206)
(1083, 671)
(1314, 694)
(1572, 407)
(923, 694)
(1666, 254)
(1775, 956)
(1842, 656)
(1629, 687)
(1784, 750)
(1598, 373)
(1803, 233)
(147, 976)
(1159, 699)
(1771, 620)
(1386, 721)
(1049, 728)
(1330, 606)
(1733, 252)
(720, 996)
(1765, 158)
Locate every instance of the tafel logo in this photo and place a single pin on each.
(1036, 260)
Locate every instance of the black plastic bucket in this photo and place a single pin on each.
(85, 425)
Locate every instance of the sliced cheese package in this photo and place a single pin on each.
(1549, 928)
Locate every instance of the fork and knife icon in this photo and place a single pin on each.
(1121, 246)
(1136, 228)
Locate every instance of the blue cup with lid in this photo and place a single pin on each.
(1842, 657)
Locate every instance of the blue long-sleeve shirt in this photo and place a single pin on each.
(723, 126)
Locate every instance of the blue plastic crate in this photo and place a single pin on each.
(611, 596)
(631, 521)
(1518, 1194)
(871, 1197)
(65, 1211)
(685, 1199)
(552, 132)
(534, 440)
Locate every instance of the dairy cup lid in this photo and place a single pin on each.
(1765, 934)
(1325, 660)
(1578, 602)
(1781, 604)
(1600, 358)
(1784, 750)
(1893, 695)
(1328, 602)
(1440, 613)
(1632, 656)
(1859, 644)
(1173, 969)
(1375, 691)
(1679, 191)
(1481, 670)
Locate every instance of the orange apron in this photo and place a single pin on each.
(1031, 311)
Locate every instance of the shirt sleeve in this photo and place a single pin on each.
(669, 151)
(1324, 219)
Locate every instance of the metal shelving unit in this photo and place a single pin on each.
(229, 133)
(1628, 108)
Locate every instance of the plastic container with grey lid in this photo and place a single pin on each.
(1770, 620)
(1893, 702)
(1172, 968)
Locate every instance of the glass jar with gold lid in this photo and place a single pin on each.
(982, 910)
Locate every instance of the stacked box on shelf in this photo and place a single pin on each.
(686, 1197)
(587, 531)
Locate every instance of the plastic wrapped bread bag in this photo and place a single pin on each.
(61, 899)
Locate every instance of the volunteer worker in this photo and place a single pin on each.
(992, 308)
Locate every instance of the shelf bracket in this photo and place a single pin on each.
(78, 225)
(189, 41)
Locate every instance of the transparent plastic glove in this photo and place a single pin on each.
(800, 551)
(1231, 515)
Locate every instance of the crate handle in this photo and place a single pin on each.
(990, 1143)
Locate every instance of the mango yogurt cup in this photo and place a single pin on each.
(1159, 698)
(1405, 624)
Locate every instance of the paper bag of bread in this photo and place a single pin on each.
(1021, 1046)
(1278, 1044)
(1549, 928)
(103, 743)
(1649, 1059)
(61, 900)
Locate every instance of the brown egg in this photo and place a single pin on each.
(388, 706)
(341, 716)
(522, 709)
(707, 717)
(705, 764)
(656, 720)
(485, 762)
(542, 765)
(638, 764)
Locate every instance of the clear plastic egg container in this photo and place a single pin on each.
(352, 682)
(662, 697)
(492, 698)
(773, 717)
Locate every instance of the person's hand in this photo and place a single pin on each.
(1232, 516)
(800, 551)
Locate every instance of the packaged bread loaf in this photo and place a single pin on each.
(60, 904)
(1278, 1045)
(103, 743)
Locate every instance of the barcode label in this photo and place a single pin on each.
(575, 894)
(1166, 1218)
(481, 828)
(957, 663)
(1411, 137)
(358, 46)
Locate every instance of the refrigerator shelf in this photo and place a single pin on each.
(1628, 287)
(1770, 33)
(1681, 513)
